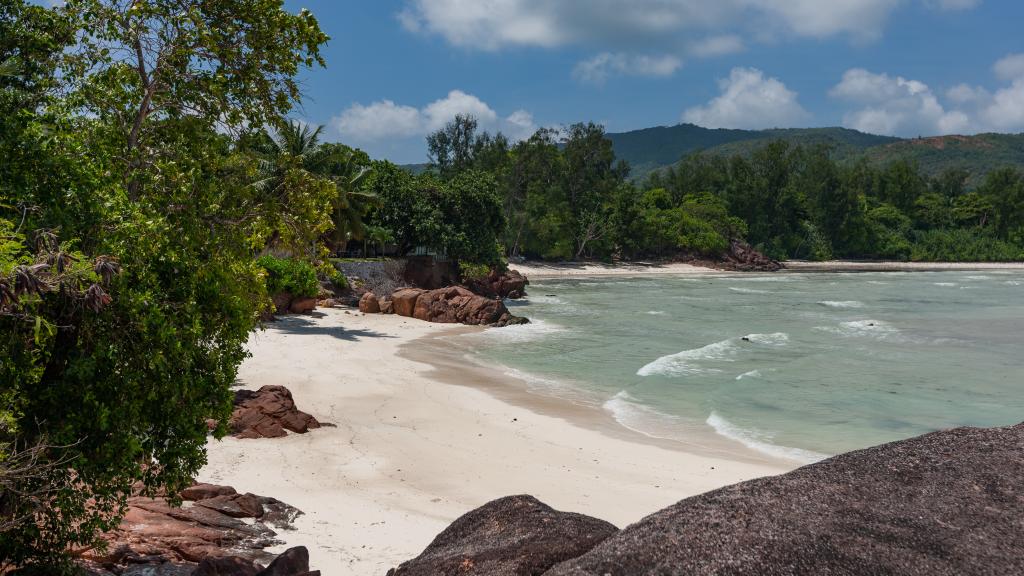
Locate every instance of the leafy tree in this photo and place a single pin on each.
(451, 148)
(1003, 190)
(120, 144)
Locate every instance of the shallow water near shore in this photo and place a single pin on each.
(794, 365)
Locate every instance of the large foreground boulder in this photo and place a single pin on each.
(267, 413)
(513, 536)
(454, 304)
(947, 503)
(369, 304)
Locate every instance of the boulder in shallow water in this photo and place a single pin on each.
(516, 535)
(949, 503)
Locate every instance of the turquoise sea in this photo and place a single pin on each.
(794, 365)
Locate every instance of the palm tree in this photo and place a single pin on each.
(296, 145)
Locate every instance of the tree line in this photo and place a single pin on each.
(564, 196)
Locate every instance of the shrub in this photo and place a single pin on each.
(295, 277)
(330, 273)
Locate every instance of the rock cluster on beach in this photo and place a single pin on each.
(268, 413)
(454, 304)
(946, 503)
(743, 257)
(507, 284)
(217, 532)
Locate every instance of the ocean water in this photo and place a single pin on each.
(799, 366)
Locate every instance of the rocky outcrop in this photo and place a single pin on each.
(268, 413)
(507, 284)
(743, 257)
(369, 304)
(454, 304)
(286, 303)
(943, 504)
(198, 538)
(947, 503)
(513, 536)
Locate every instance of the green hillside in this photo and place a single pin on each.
(651, 149)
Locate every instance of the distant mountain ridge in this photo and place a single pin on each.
(651, 149)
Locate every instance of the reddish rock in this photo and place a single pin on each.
(267, 413)
(368, 304)
(235, 505)
(302, 305)
(387, 306)
(507, 284)
(744, 257)
(403, 301)
(456, 304)
(204, 491)
(516, 535)
(157, 539)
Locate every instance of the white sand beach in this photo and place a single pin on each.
(412, 450)
(537, 269)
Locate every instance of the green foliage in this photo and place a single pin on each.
(469, 270)
(460, 217)
(962, 245)
(296, 277)
(330, 273)
(108, 378)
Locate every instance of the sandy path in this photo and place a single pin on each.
(411, 453)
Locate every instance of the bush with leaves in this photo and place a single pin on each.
(117, 138)
(289, 275)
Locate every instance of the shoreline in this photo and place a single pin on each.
(417, 444)
(547, 271)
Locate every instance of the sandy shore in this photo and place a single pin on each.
(536, 269)
(851, 266)
(416, 446)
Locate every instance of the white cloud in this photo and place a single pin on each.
(598, 69)
(967, 94)
(377, 121)
(440, 112)
(717, 46)
(494, 24)
(950, 5)
(896, 106)
(750, 100)
(1010, 67)
(396, 131)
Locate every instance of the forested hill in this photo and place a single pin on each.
(650, 149)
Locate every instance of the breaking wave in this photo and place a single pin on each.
(687, 362)
(760, 441)
(842, 303)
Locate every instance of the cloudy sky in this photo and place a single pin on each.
(398, 69)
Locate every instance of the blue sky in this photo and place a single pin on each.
(399, 68)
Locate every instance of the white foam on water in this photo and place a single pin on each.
(751, 374)
(760, 441)
(656, 312)
(945, 284)
(979, 277)
(535, 330)
(842, 303)
(1012, 283)
(686, 363)
(861, 328)
(631, 414)
(543, 299)
(748, 290)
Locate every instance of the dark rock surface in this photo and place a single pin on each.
(454, 304)
(508, 284)
(513, 536)
(267, 413)
(744, 257)
(947, 503)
